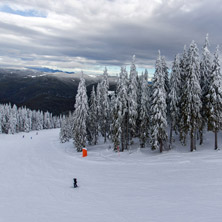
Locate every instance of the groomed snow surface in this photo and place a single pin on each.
(36, 182)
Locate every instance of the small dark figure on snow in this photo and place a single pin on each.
(23, 136)
(75, 182)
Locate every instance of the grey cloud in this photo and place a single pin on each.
(105, 38)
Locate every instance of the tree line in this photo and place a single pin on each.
(22, 119)
(186, 100)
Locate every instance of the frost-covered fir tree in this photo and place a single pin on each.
(104, 114)
(191, 98)
(166, 81)
(166, 74)
(124, 99)
(120, 130)
(205, 67)
(139, 96)
(184, 66)
(113, 126)
(146, 75)
(39, 117)
(13, 120)
(174, 97)
(214, 111)
(116, 128)
(65, 131)
(205, 72)
(99, 106)
(144, 111)
(184, 78)
(80, 116)
(158, 108)
(5, 118)
(133, 102)
(92, 130)
(47, 124)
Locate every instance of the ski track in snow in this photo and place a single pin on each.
(138, 185)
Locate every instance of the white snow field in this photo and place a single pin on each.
(36, 177)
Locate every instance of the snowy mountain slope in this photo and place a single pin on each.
(36, 182)
(48, 92)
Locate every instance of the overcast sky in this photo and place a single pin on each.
(88, 35)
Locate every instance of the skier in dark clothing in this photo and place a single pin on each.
(75, 183)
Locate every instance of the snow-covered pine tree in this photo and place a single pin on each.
(166, 74)
(139, 96)
(133, 102)
(166, 82)
(47, 120)
(146, 75)
(205, 72)
(116, 122)
(113, 116)
(5, 118)
(104, 114)
(144, 111)
(174, 97)
(99, 106)
(214, 107)
(184, 66)
(123, 94)
(93, 119)
(13, 120)
(34, 120)
(191, 98)
(184, 79)
(80, 116)
(158, 108)
(120, 113)
(64, 134)
(26, 120)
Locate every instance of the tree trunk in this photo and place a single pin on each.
(201, 137)
(191, 142)
(171, 136)
(215, 145)
(127, 132)
(95, 137)
(105, 137)
(122, 140)
(161, 146)
(195, 139)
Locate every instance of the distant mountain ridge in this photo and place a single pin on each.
(45, 69)
(53, 92)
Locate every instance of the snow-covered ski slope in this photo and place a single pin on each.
(36, 177)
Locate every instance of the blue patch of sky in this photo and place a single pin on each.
(116, 70)
(25, 13)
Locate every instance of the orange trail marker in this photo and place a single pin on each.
(84, 152)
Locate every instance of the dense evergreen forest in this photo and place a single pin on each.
(22, 119)
(188, 101)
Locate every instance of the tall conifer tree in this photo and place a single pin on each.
(80, 116)
(158, 108)
(174, 96)
(214, 96)
(191, 98)
(205, 72)
(133, 102)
